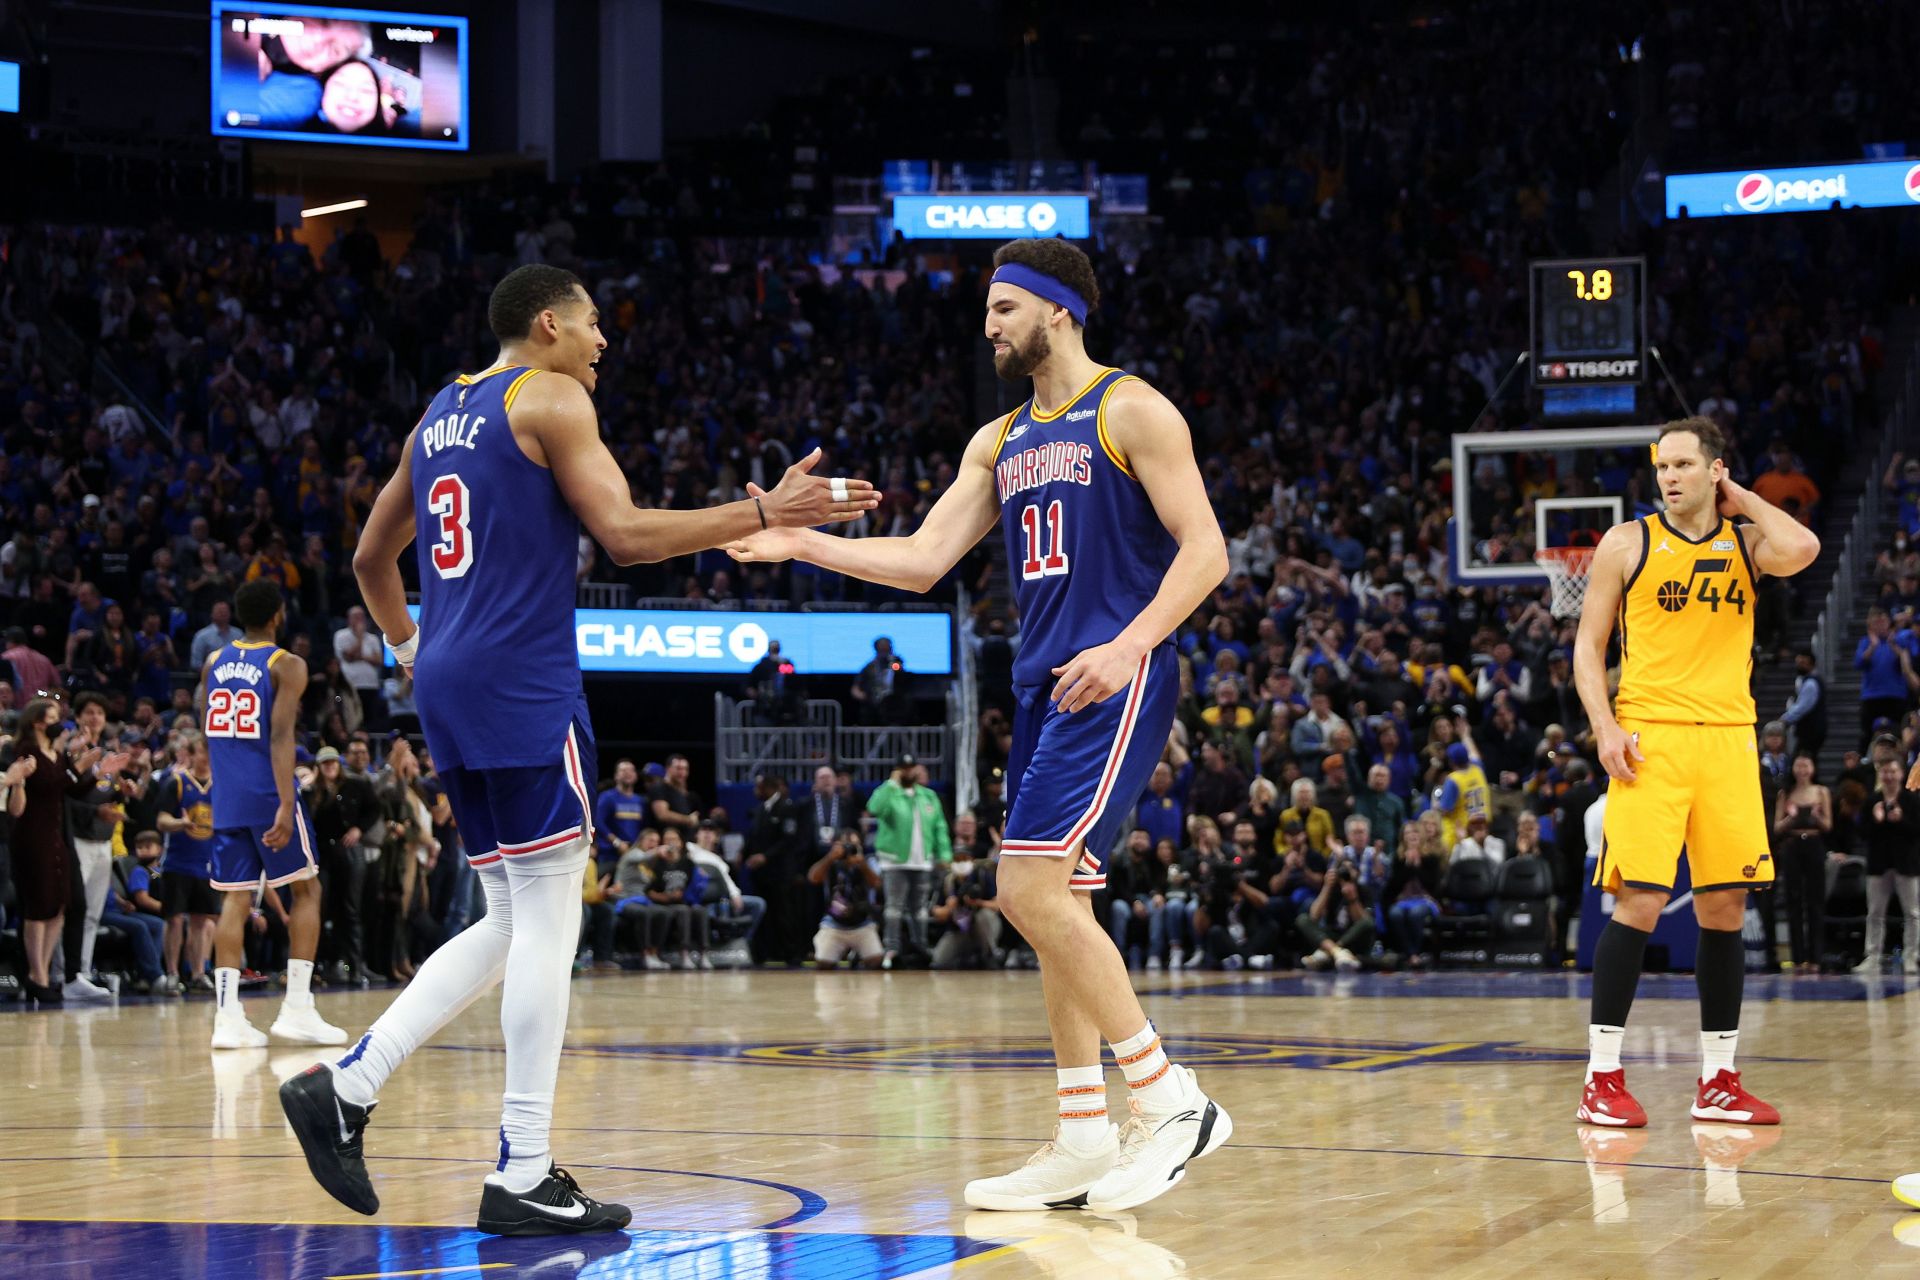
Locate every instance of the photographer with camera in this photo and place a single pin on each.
(848, 881)
(1339, 926)
(966, 907)
(1233, 913)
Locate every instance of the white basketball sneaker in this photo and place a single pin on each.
(304, 1025)
(233, 1031)
(1057, 1176)
(1155, 1149)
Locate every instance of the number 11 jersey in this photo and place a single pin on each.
(497, 683)
(1085, 548)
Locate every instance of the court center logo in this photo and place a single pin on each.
(937, 1057)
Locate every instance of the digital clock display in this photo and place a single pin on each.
(1589, 321)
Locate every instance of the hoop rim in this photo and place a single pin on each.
(1570, 559)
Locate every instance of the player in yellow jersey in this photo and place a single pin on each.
(1684, 767)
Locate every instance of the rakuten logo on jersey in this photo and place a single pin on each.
(1756, 193)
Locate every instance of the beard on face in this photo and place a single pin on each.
(1019, 363)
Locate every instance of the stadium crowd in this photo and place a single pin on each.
(1352, 725)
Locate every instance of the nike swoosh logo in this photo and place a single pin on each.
(555, 1210)
(346, 1135)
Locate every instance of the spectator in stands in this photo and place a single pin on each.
(1883, 687)
(1412, 893)
(348, 824)
(1160, 813)
(880, 688)
(675, 883)
(1465, 791)
(92, 816)
(1389, 750)
(1302, 873)
(911, 845)
(1234, 915)
(672, 806)
(847, 928)
(133, 910)
(1890, 836)
(618, 814)
(1262, 810)
(774, 687)
(1806, 713)
(1312, 734)
(723, 896)
(785, 839)
(362, 655)
(218, 632)
(1385, 812)
(1784, 482)
(40, 779)
(1474, 842)
(1776, 761)
(34, 675)
(1230, 723)
(1802, 819)
(1219, 787)
(632, 878)
(1315, 821)
(1338, 927)
(597, 918)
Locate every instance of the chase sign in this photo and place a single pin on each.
(996, 216)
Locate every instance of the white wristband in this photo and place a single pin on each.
(403, 652)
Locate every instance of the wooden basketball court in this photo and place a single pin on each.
(813, 1125)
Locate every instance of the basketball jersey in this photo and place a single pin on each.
(1085, 549)
(498, 677)
(239, 733)
(1686, 628)
(191, 850)
(1472, 799)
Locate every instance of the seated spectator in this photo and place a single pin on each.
(1160, 813)
(1315, 821)
(1338, 927)
(1385, 813)
(1234, 918)
(1412, 893)
(1262, 810)
(1476, 843)
(722, 895)
(678, 886)
(597, 917)
(1230, 722)
(1784, 483)
(1219, 786)
(133, 909)
(1334, 794)
(1302, 872)
(632, 878)
(848, 927)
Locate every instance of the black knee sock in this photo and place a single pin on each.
(1720, 971)
(1616, 972)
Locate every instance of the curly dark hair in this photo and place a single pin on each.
(256, 603)
(523, 294)
(1065, 262)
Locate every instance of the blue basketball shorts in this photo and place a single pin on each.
(241, 857)
(531, 816)
(1073, 780)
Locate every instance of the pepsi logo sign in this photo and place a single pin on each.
(1754, 192)
(1912, 184)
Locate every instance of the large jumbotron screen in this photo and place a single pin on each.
(364, 76)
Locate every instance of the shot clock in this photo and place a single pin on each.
(1589, 322)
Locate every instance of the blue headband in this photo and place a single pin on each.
(1042, 285)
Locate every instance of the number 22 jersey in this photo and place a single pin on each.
(498, 678)
(1686, 628)
(1085, 548)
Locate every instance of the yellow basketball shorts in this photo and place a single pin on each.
(1697, 792)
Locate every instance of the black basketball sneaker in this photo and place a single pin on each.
(556, 1206)
(329, 1130)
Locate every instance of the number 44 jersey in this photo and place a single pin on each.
(497, 682)
(1085, 548)
(1686, 627)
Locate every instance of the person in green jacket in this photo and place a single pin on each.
(911, 844)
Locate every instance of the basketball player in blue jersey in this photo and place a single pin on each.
(249, 707)
(1111, 543)
(186, 819)
(495, 482)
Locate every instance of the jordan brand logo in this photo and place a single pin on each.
(1664, 547)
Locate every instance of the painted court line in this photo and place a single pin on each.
(424, 1271)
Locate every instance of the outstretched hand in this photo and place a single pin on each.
(802, 499)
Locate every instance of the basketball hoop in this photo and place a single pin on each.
(1566, 569)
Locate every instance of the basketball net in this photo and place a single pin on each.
(1566, 570)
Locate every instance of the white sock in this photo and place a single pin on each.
(533, 1012)
(1603, 1047)
(1149, 1075)
(299, 984)
(1716, 1052)
(453, 977)
(1082, 1096)
(226, 990)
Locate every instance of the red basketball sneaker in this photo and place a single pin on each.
(1606, 1101)
(1722, 1098)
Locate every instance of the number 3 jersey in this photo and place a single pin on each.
(1085, 549)
(1686, 628)
(497, 682)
